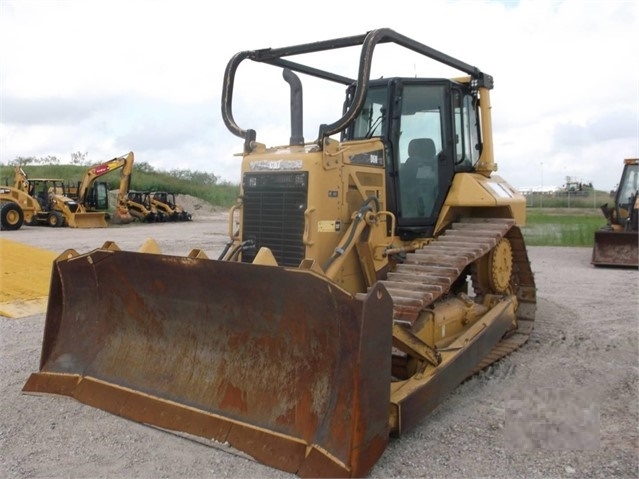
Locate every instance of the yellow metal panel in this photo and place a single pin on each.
(476, 191)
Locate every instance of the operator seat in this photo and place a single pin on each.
(419, 178)
(421, 149)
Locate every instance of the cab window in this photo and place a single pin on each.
(370, 121)
(420, 143)
(467, 144)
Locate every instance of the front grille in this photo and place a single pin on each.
(273, 215)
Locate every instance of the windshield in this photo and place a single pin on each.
(629, 186)
(371, 119)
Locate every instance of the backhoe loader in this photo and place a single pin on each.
(617, 243)
(43, 201)
(367, 274)
(16, 208)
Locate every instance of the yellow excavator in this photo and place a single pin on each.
(125, 163)
(368, 273)
(617, 243)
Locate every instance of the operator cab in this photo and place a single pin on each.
(98, 196)
(431, 130)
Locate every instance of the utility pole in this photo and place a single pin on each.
(541, 196)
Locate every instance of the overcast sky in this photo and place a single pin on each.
(106, 77)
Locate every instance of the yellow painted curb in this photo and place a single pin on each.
(25, 274)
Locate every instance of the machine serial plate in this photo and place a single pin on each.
(327, 226)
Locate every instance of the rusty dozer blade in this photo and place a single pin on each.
(278, 363)
(88, 220)
(616, 248)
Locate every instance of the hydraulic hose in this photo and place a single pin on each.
(340, 250)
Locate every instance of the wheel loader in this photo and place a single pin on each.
(617, 243)
(368, 273)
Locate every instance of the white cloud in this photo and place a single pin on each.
(107, 77)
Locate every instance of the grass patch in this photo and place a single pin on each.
(562, 226)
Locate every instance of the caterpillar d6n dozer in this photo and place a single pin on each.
(366, 277)
(617, 243)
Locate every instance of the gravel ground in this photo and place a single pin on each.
(564, 405)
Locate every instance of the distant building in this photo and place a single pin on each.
(529, 190)
(574, 187)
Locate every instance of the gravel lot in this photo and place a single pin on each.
(564, 405)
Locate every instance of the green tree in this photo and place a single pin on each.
(144, 166)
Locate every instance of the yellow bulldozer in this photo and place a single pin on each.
(617, 243)
(368, 273)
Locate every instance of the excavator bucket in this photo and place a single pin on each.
(616, 248)
(276, 362)
(87, 220)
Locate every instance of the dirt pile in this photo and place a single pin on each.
(190, 204)
(197, 206)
